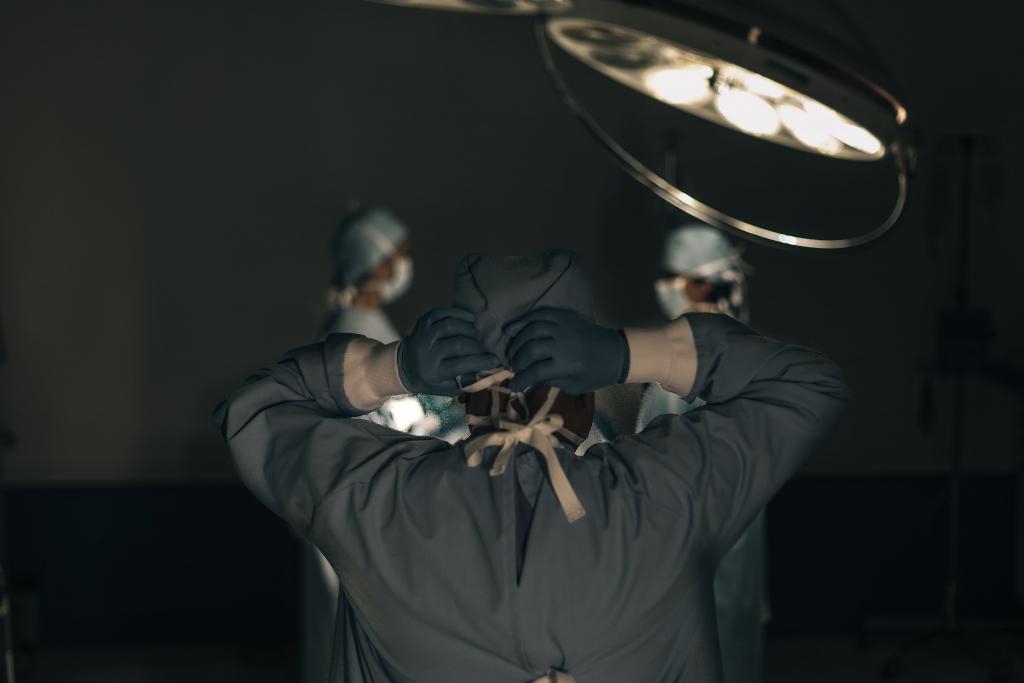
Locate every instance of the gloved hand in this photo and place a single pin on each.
(444, 344)
(559, 348)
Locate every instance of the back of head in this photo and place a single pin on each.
(499, 289)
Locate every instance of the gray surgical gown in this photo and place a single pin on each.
(426, 547)
(740, 599)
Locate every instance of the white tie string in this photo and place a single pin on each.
(539, 433)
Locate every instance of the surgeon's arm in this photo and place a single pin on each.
(769, 403)
(285, 425)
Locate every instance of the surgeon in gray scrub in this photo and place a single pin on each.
(512, 556)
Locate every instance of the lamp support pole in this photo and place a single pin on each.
(951, 603)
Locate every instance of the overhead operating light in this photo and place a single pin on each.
(714, 89)
(735, 71)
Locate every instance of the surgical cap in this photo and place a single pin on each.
(499, 289)
(364, 238)
(700, 251)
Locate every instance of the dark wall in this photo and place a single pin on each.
(153, 564)
(171, 173)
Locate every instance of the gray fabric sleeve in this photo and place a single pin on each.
(287, 432)
(768, 404)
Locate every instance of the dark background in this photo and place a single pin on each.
(170, 174)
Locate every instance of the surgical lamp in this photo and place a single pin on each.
(745, 70)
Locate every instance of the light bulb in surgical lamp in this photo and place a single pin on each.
(808, 129)
(680, 85)
(842, 128)
(749, 112)
(858, 138)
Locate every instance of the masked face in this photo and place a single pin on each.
(399, 282)
(679, 294)
(672, 299)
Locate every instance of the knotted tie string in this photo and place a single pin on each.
(539, 433)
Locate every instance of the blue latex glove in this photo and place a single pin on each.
(444, 344)
(559, 348)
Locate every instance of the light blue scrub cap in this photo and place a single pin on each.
(499, 289)
(698, 250)
(364, 238)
